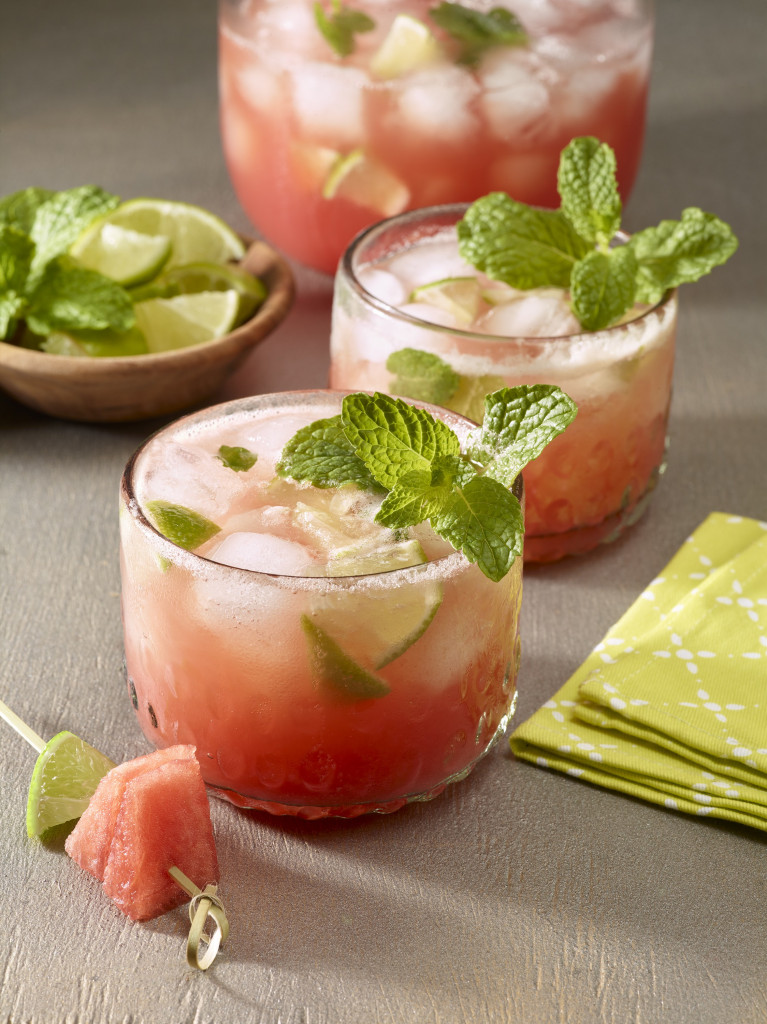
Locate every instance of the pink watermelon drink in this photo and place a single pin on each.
(333, 120)
(321, 663)
(449, 303)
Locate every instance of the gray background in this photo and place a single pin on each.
(519, 895)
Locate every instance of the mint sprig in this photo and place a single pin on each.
(39, 283)
(340, 26)
(574, 247)
(477, 31)
(418, 460)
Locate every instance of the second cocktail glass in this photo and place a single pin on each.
(592, 481)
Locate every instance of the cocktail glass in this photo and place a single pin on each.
(226, 658)
(592, 481)
(320, 146)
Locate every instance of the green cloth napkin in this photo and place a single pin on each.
(671, 706)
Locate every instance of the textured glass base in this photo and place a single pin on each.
(553, 546)
(312, 813)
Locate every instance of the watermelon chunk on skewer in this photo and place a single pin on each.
(146, 816)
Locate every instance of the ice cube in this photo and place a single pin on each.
(289, 26)
(428, 262)
(185, 475)
(259, 86)
(328, 102)
(436, 103)
(383, 285)
(432, 314)
(263, 552)
(544, 313)
(586, 89)
(515, 96)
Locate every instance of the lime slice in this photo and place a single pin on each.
(365, 181)
(187, 320)
(206, 277)
(195, 234)
(408, 46)
(459, 296)
(65, 777)
(181, 525)
(99, 344)
(333, 667)
(469, 397)
(128, 257)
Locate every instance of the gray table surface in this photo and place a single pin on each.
(519, 895)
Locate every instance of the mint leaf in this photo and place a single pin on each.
(515, 243)
(677, 251)
(341, 25)
(11, 308)
(589, 190)
(322, 454)
(332, 666)
(237, 458)
(421, 494)
(16, 253)
(392, 438)
(72, 298)
(19, 208)
(422, 375)
(519, 423)
(61, 218)
(603, 286)
(484, 520)
(476, 31)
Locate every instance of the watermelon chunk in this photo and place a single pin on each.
(152, 815)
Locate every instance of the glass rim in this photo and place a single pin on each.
(456, 210)
(137, 513)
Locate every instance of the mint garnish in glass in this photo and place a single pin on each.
(574, 247)
(379, 442)
(340, 26)
(477, 31)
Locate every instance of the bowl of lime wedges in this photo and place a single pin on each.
(113, 311)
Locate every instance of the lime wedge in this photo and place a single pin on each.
(187, 320)
(459, 296)
(181, 525)
(365, 181)
(194, 234)
(65, 777)
(333, 667)
(128, 257)
(206, 277)
(99, 344)
(408, 46)
(469, 397)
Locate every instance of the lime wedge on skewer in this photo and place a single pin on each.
(65, 777)
(365, 181)
(408, 46)
(186, 320)
(128, 257)
(194, 234)
(459, 296)
(181, 525)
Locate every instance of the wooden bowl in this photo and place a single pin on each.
(121, 388)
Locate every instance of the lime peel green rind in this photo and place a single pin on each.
(334, 668)
(181, 525)
(64, 778)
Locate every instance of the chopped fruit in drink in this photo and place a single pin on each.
(469, 397)
(128, 257)
(365, 181)
(147, 816)
(65, 777)
(332, 666)
(408, 46)
(186, 320)
(459, 296)
(183, 526)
